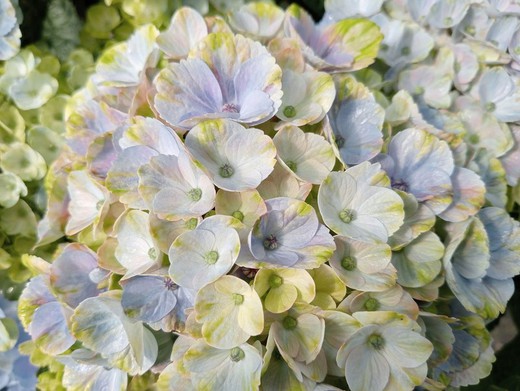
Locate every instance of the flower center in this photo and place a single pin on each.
(169, 284)
(371, 304)
(490, 107)
(271, 243)
(348, 263)
(289, 323)
(195, 194)
(192, 223)
(275, 281)
(237, 354)
(152, 253)
(238, 298)
(399, 184)
(230, 108)
(289, 111)
(340, 141)
(474, 139)
(470, 29)
(211, 257)
(347, 215)
(238, 215)
(376, 341)
(99, 204)
(226, 171)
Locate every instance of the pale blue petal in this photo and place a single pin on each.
(148, 298)
(49, 329)
(70, 274)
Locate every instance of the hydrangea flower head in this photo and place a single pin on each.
(359, 211)
(335, 47)
(215, 144)
(290, 235)
(205, 166)
(225, 76)
(424, 171)
(386, 352)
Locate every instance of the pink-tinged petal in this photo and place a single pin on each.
(259, 20)
(90, 120)
(187, 91)
(347, 45)
(175, 188)
(187, 28)
(88, 200)
(122, 179)
(149, 132)
(123, 64)
(101, 155)
(256, 107)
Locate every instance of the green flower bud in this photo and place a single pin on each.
(12, 189)
(23, 161)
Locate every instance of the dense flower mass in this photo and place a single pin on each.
(261, 201)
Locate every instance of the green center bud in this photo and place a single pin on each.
(289, 323)
(474, 139)
(347, 215)
(376, 341)
(470, 29)
(490, 107)
(192, 223)
(275, 281)
(383, 47)
(448, 20)
(348, 263)
(340, 141)
(289, 111)
(238, 298)
(211, 257)
(152, 253)
(195, 194)
(238, 215)
(292, 165)
(371, 304)
(99, 204)
(237, 354)
(226, 171)
(405, 51)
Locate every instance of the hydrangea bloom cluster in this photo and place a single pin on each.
(265, 202)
